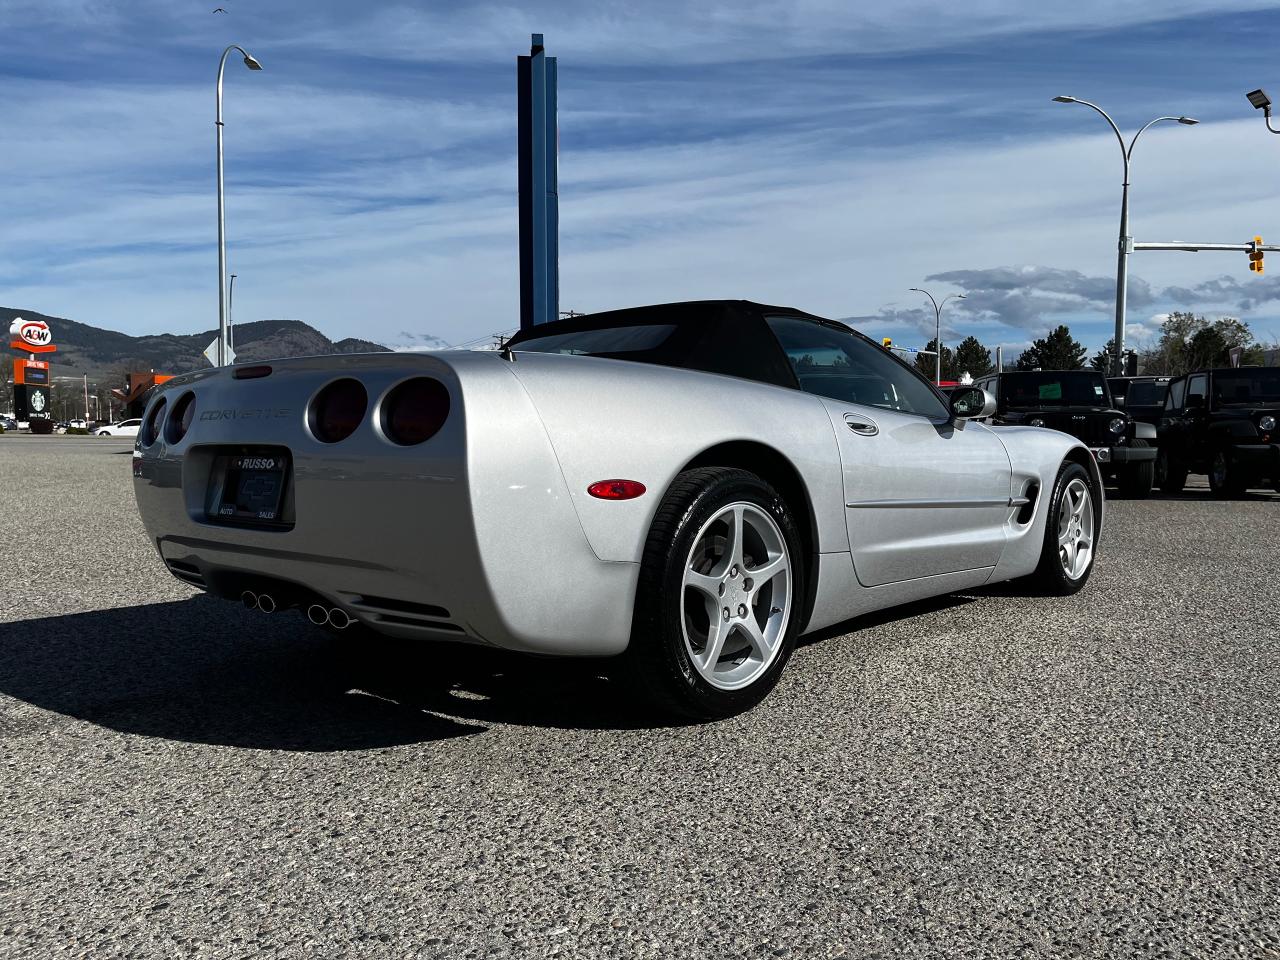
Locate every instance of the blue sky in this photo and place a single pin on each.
(821, 154)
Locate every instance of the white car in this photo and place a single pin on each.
(689, 487)
(125, 428)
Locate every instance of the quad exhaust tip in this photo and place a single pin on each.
(262, 602)
(334, 617)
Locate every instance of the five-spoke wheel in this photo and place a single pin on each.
(1071, 532)
(737, 595)
(718, 605)
(1075, 529)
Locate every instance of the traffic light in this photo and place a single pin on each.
(1255, 256)
(886, 342)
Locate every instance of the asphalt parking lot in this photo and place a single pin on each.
(987, 775)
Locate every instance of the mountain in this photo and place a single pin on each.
(86, 349)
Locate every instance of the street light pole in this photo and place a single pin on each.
(231, 300)
(1125, 245)
(937, 316)
(252, 64)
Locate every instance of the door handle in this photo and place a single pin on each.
(862, 426)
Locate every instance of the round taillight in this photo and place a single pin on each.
(414, 411)
(151, 427)
(337, 410)
(184, 412)
(616, 489)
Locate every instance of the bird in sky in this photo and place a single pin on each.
(220, 10)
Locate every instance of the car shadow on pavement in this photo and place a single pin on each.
(878, 618)
(206, 671)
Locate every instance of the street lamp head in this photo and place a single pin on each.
(1188, 121)
(915, 289)
(1064, 100)
(251, 63)
(961, 296)
(1260, 100)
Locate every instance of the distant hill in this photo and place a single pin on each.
(86, 349)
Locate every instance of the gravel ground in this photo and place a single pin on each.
(988, 775)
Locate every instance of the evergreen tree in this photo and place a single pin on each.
(1058, 351)
(1103, 359)
(925, 362)
(972, 358)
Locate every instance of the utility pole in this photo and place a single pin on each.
(1126, 241)
(539, 191)
(252, 64)
(937, 316)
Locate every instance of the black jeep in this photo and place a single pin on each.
(1078, 402)
(1223, 423)
(1142, 398)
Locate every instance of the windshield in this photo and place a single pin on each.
(1054, 388)
(1149, 394)
(1247, 386)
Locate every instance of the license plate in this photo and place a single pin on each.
(249, 486)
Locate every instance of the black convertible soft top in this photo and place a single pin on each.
(716, 336)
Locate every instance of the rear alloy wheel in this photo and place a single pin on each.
(1225, 478)
(1071, 531)
(718, 607)
(1136, 479)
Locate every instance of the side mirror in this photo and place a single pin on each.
(1195, 401)
(971, 403)
(1119, 401)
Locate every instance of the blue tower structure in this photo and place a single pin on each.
(539, 195)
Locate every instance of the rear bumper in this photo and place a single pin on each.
(1123, 454)
(471, 536)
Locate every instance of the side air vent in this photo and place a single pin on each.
(1028, 510)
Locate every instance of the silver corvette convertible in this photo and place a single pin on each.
(686, 488)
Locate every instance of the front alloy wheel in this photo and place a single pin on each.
(1075, 530)
(1071, 533)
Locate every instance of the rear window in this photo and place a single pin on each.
(1054, 389)
(606, 342)
(1247, 387)
(1148, 394)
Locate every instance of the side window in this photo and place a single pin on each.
(1174, 400)
(834, 363)
(1198, 385)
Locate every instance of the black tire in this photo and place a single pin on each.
(1225, 476)
(1050, 577)
(1173, 476)
(1136, 479)
(657, 663)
